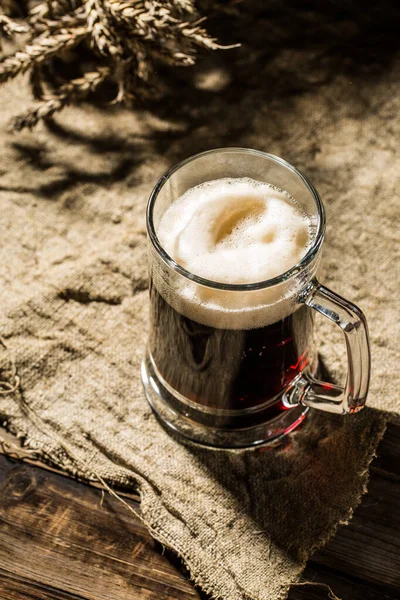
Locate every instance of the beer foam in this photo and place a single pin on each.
(235, 231)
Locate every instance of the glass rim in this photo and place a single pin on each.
(236, 287)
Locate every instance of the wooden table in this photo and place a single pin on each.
(63, 540)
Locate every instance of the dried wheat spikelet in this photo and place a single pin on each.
(43, 48)
(117, 41)
(10, 27)
(101, 29)
(69, 92)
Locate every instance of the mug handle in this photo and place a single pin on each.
(325, 396)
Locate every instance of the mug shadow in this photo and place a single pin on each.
(296, 493)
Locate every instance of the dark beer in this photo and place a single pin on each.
(225, 358)
(223, 370)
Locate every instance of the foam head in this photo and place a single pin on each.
(235, 231)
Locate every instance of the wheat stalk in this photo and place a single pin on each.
(100, 29)
(60, 7)
(49, 25)
(68, 93)
(53, 8)
(140, 18)
(146, 19)
(186, 6)
(10, 27)
(43, 48)
(159, 22)
(122, 40)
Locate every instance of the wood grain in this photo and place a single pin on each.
(63, 540)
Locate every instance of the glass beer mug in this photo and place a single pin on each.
(234, 365)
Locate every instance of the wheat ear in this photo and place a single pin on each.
(66, 94)
(41, 49)
(99, 27)
(10, 27)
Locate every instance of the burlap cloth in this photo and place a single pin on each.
(74, 301)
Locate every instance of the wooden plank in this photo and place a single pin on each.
(60, 539)
(369, 547)
(15, 588)
(61, 534)
(343, 586)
